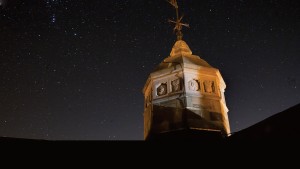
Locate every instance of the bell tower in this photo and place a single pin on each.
(184, 92)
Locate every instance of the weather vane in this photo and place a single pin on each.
(178, 23)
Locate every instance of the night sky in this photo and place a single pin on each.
(75, 69)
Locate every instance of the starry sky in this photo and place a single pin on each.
(75, 69)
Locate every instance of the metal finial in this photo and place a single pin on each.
(178, 23)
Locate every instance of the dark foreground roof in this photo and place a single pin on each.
(282, 126)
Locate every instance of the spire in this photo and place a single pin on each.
(178, 23)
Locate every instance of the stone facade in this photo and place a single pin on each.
(184, 92)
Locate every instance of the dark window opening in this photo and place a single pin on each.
(214, 116)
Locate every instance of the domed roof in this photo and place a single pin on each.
(180, 48)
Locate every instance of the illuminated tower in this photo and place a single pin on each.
(184, 93)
